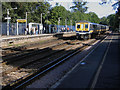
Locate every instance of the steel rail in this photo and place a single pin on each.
(22, 81)
(45, 68)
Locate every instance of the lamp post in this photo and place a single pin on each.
(71, 23)
(26, 18)
(119, 16)
(41, 17)
(119, 23)
(58, 23)
(47, 16)
(75, 24)
(66, 24)
(41, 23)
(47, 20)
(8, 19)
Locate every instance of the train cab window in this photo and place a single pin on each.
(82, 26)
(78, 25)
(86, 25)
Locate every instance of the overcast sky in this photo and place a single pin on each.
(93, 6)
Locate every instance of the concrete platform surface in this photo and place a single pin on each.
(6, 41)
(100, 69)
(31, 36)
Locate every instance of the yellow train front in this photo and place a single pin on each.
(86, 30)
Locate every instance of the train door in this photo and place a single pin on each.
(82, 27)
(78, 26)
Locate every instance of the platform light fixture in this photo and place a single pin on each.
(8, 19)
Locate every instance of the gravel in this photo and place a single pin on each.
(56, 74)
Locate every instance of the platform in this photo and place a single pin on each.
(100, 69)
(6, 40)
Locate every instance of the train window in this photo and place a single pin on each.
(82, 26)
(78, 26)
(86, 25)
(91, 26)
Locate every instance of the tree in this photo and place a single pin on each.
(34, 8)
(93, 17)
(104, 21)
(79, 6)
(114, 19)
(56, 12)
(110, 20)
(57, 4)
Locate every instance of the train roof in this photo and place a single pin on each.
(87, 22)
(90, 23)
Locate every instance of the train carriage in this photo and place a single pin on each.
(85, 29)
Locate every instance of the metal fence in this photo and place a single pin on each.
(22, 27)
(13, 29)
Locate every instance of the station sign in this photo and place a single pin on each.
(21, 20)
(7, 17)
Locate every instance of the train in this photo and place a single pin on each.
(87, 30)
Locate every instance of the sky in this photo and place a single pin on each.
(93, 6)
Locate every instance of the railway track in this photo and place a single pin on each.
(8, 52)
(22, 61)
(43, 64)
(11, 53)
(30, 52)
(16, 49)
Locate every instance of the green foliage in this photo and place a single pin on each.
(58, 12)
(93, 17)
(79, 6)
(111, 20)
(104, 21)
(47, 22)
(35, 9)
